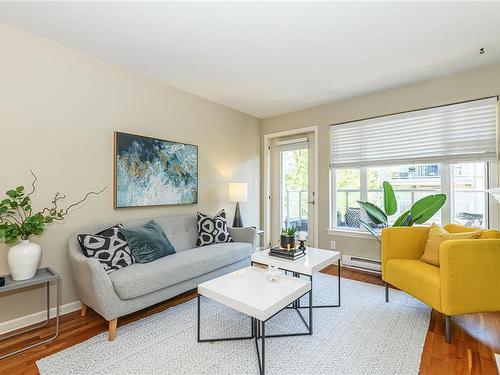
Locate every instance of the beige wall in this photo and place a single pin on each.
(467, 85)
(58, 111)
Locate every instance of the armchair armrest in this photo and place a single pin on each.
(246, 234)
(470, 276)
(403, 243)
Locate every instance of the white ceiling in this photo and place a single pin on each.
(271, 58)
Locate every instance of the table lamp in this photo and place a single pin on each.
(237, 193)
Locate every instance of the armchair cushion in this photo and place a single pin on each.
(490, 233)
(459, 228)
(419, 279)
(402, 243)
(437, 236)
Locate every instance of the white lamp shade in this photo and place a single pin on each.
(238, 191)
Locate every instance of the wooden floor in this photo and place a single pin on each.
(475, 337)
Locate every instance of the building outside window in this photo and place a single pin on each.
(465, 189)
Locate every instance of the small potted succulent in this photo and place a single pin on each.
(19, 221)
(288, 238)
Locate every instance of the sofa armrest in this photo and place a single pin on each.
(403, 243)
(246, 234)
(470, 276)
(93, 283)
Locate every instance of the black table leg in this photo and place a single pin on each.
(338, 292)
(257, 332)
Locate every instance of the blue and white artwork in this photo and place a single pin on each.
(151, 172)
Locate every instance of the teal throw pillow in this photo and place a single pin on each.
(147, 243)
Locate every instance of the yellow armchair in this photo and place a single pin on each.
(467, 281)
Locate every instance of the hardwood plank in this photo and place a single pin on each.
(475, 337)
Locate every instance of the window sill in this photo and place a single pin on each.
(350, 233)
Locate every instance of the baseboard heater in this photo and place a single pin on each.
(361, 263)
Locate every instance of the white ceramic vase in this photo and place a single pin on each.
(24, 259)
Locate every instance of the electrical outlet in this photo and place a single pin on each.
(333, 245)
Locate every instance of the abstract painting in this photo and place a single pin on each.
(152, 172)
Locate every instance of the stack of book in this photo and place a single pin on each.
(292, 254)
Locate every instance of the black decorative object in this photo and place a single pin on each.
(301, 246)
(2, 281)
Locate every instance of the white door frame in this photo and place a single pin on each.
(267, 178)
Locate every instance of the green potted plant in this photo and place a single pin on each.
(421, 211)
(18, 221)
(288, 237)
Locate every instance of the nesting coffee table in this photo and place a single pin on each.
(250, 292)
(314, 261)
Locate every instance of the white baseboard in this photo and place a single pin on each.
(27, 320)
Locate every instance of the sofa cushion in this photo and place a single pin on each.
(139, 279)
(109, 247)
(417, 278)
(148, 242)
(490, 233)
(212, 229)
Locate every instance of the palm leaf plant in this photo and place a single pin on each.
(421, 211)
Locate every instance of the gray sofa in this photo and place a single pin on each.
(141, 285)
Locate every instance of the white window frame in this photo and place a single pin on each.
(491, 219)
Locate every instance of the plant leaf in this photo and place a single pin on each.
(370, 229)
(408, 221)
(374, 213)
(400, 220)
(390, 203)
(11, 240)
(423, 209)
(11, 193)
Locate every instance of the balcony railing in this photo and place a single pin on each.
(295, 209)
(295, 206)
(405, 197)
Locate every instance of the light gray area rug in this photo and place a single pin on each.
(364, 336)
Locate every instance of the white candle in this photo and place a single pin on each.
(302, 236)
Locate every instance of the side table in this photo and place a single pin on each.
(43, 276)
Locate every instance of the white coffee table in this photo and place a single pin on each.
(249, 292)
(314, 261)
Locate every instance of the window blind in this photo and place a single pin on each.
(456, 132)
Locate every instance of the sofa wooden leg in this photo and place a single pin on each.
(386, 292)
(83, 311)
(447, 332)
(112, 329)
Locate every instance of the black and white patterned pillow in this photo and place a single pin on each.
(109, 247)
(212, 229)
